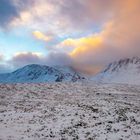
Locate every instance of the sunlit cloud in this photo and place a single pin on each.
(83, 44)
(41, 36)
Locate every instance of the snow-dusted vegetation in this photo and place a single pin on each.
(66, 111)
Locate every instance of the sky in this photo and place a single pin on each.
(84, 34)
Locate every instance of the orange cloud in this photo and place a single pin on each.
(119, 38)
(72, 46)
(82, 50)
(83, 44)
(39, 35)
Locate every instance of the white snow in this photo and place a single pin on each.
(66, 111)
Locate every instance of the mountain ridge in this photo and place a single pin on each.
(35, 73)
(123, 71)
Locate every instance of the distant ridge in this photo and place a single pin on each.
(122, 71)
(40, 73)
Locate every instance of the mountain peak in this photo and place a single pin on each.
(123, 71)
(42, 73)
(117, 65)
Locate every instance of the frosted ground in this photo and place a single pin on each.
(69, 111)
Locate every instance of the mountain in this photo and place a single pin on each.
(40, 73)
(122, 71)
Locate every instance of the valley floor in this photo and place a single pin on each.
(69, 111)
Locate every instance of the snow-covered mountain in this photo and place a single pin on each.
(122, 71)
(40, 73)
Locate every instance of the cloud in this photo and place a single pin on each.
(84, 14)
(60, 17)
(118, 38)
(11, 9)
(58, 58)
(1, 57)
(118, 34)
(41, 36)
(124, 32)
(7, 12)
(21, 59)
(88, 54)
(36, 15)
